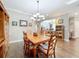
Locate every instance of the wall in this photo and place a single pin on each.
(77, 27)
(16, 32)
(66, 26)
(75, 22)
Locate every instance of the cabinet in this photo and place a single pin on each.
(60, 31)
(4, 22)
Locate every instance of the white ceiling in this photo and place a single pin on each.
(50, 7)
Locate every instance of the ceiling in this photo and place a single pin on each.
(51, 8)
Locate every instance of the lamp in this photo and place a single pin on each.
(38, 16)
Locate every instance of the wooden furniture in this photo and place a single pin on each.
(60, 31)
(48, 49)
(4, 22)
(26, 43)
(36, 40)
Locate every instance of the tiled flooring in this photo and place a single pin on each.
(63, 49)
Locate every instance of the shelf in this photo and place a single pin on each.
(4, 19)
(60, 31)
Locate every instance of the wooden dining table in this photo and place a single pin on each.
(36, 40)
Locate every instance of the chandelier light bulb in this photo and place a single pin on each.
(44, 18)
(31, 18)
(38, 19)
(41, 16)
(37, 14)
(34, 15)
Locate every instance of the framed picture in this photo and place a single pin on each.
(60, 21)
(23, 23)
(30, 24)
(14, 23)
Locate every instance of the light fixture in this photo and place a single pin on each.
(71, 2)
(76, 13)
(38, 16)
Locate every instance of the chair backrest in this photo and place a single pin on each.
(24, 35)
(52, 43)
(35, 34)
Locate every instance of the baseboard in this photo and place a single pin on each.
(76, 38)
(66, 40)
(15, 41)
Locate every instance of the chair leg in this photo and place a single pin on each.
(24, 50)
(51, 56)
(29, 52)
(54, 55)
(46, 56)
(38, 53)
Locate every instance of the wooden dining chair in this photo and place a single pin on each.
(35, 34)
(49, 48)
(26, 44)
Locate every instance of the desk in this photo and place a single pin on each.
(36, 40)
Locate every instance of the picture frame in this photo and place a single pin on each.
(23, 23)
(60, 21)
(30, 24)
(14, 23)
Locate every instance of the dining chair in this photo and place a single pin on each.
(35, 34)
(49, 48)
(28, 46)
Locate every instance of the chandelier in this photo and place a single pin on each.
(38, 16)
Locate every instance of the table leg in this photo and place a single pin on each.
(34, 51)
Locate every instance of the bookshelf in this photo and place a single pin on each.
(60, 31)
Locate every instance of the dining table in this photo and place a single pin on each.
(37, 40)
